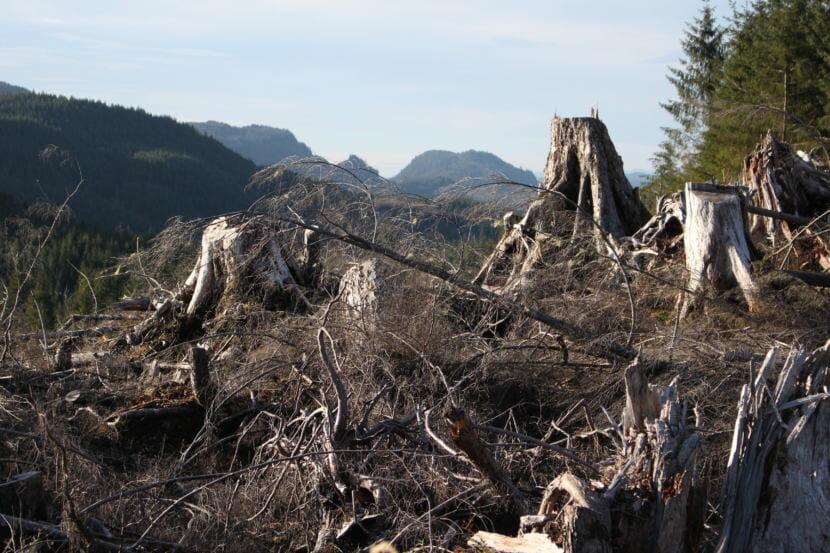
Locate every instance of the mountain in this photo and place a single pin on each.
(6, 88)
(263, 145)
(434, 173)
(139, 169)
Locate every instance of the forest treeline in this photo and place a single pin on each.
(763, 67)
(72, 271)
(138, 169)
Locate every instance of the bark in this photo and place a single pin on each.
(584, 180)
(717, 249)
(778, 479)
(203, 388)
(780, 181)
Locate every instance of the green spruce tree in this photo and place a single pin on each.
(695, 81)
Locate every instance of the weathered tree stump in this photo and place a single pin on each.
(584, 191)
(780, 182)
(778, 478)
(716, 245)
(649, 498)
(239, 256)
(363, 288)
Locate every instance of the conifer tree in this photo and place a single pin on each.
(695, 81)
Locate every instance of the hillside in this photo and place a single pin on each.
(259, 143)
(433, 172)
(6, 88)
(139, 169)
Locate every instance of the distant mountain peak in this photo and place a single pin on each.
(261, 144)
(436, 172)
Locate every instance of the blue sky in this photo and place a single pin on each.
(385, 80)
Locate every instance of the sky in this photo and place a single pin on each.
(382, 79)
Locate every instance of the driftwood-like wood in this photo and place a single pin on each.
(779, 181)
(666, 226)
(584, 190)
(141, 303)
(717, 249)
(529, 543)
(777, 481)
(80, 333)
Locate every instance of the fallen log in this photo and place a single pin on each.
(788, 217)
(90, 397)
(135, 304)
(75, 317)
(717, 250)
(813, 279)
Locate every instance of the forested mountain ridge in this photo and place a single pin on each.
(138, 169)
(261, 144)
(8, 88)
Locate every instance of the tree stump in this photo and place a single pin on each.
(778, 479)
(241, 256)
(363, 288)
(649, 497)
(780, 181)
(584, 191)
(717, 249)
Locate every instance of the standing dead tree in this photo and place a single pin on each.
(717, 249)
(584, 190)
(787, 192)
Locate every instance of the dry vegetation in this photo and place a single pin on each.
(416, 410)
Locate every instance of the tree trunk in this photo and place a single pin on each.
(584, 191)
(717, 249)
